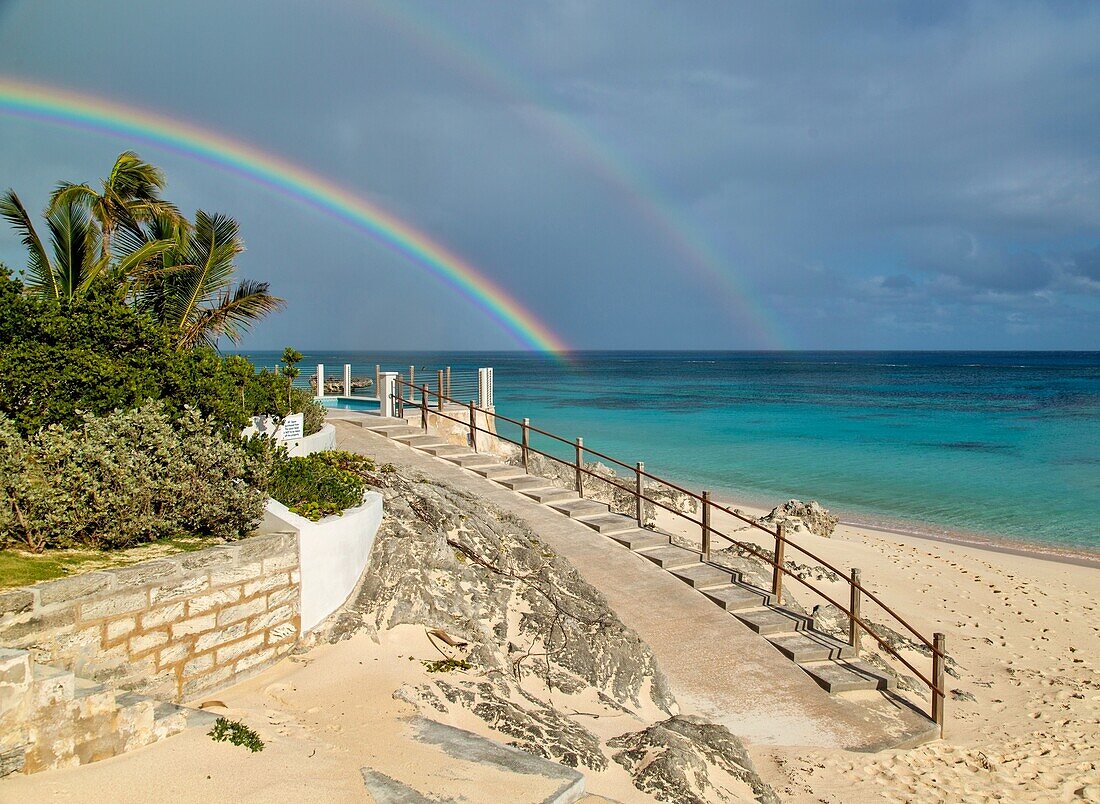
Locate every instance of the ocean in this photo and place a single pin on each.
(980, 445)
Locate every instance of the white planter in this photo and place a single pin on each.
(322, 440)
(332, 552)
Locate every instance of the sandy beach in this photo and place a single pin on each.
(1023, 716)
(1023, 719)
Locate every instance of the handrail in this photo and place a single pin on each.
(938, 654)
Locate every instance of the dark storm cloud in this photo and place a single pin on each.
(917, 174)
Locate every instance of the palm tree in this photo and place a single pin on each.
(75, 242)
(190, 288)
(130, 195)
(182, 274)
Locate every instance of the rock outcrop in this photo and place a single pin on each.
(540, 655)
(798, 515)
(686, 760)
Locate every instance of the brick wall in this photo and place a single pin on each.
(172, 628)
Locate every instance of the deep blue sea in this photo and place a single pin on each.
(1003, 444)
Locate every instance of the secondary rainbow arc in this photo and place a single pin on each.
(610, 164)
(53, 104)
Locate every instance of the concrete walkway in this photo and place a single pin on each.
(717, 666)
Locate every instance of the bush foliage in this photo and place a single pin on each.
(95, 354)
(126, 477)
(320, 484)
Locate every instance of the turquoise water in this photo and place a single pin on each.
(346, 403)
(1000, 444)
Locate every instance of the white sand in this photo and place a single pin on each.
(1026, 636)
(1023, 630)
(323, 716)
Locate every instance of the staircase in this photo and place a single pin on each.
(49, 718)
(829, 662)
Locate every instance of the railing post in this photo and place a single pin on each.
(777, 573)
(400, 399)
(639, 470)
(439, 388)
(378, 381)
(706, 526)
(473, 427)
(854, 630)
(320, 380)
(526, 439)
(424, 407)
(448, 380)
(387, 392)
(580, 466)
(938, 654)
(485, 387)
(412, 383)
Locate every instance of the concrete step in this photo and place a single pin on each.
(393, 430)
(641, 539)
(772, 620)
(609, 523)
(702, 576)
(521, 482)
(371, 422)
(575, 509)
(446, 450)
(472, 460)
(550, 494)
(847, 675)
(810, 646)
(671, 557)
(736, 597)
(498, 471)
(419, 440)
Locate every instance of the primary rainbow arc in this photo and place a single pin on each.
(82, 110)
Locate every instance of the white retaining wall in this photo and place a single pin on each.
(332, 553)
(323, 439)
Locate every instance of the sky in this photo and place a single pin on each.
(636, 175)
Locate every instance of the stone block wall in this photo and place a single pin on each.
(171, 628)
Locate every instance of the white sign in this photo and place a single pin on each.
(293, 425)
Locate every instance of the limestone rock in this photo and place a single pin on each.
(443, 559)
(686, 760)
(798, 515)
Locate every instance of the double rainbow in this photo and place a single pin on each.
(52, 104)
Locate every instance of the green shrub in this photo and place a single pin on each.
(95, 354)
(123, 478)
(267, 395)
(236, 733)
(321, 484)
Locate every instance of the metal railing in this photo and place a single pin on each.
(421, 397)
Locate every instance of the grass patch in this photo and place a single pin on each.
(23, 568)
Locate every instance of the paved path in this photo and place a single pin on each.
(716, 665)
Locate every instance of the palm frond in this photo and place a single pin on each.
(75, 245)
(40, 275)
(232, 315)
(213, 245)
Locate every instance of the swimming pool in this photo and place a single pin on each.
(349, 403)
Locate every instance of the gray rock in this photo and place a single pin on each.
(446, 559)
(798, 515)
(673, 761)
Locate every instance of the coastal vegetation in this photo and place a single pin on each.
(321, 484)
(120, 421)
